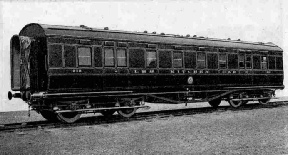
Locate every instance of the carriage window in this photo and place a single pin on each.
(271, 62)
(241, 61)
(84, 56)
(177, 59)
(248, 62)
(264, 62)
(201, 60)
(70, 56)
(232, 61)
(109, 57)
(190, 59)
(136, 58)
(151, 59)
(256, 62)
(55, 55)
(165, 60)
(212, 60)
(279, 63)
(121, 58)
(222, 61)
(98, 56)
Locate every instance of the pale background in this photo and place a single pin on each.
(249, 20)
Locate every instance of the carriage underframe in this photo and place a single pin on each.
(67, 107)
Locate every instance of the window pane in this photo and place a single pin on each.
(264, 62)
(55, 55)
(121, 58)
(151, 59)
(241, 61)
(98, 56)
(279, 63)
(272, 62)
(165, 60)
(222, 61)
(84, 56)
(201, 60)
(232, 61)
(70, 56)
(109, 57)
(177, 58)
(190, 59)
(212, 61)
(256, 62)
(136, 58)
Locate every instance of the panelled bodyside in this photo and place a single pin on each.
(106, 65)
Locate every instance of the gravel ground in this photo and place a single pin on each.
(258, 131)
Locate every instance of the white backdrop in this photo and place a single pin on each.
(257, 20)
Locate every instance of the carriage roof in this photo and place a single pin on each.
(43, 30)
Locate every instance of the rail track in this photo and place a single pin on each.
(137, 117)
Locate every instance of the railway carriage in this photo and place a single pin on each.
(63, 71)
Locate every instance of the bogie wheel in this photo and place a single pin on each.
(107, 113)
(235, 104)
(215, 103)
(69, 117)
(265, 101)
(49, 115)
(126, 113)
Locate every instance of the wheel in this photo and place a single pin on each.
(215, 103)
(107, 113)
(235, 104)
(265, 101)
(69, 117)
(126, 113)
(49, 115)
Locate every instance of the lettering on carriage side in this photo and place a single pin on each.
(234, 72)
(151, 71)
(172, 71)
(143, 71)
(206, 72)
(195, 71)
(201, 71)
(135, 71)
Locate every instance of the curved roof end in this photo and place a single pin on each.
(32, 30)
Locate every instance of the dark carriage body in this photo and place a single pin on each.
(76, 63)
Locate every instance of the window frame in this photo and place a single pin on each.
(117, 58)
(259, 56)
(251, 61)
(193, 52)
(146, 57)
(205, 59)
(239, 60)
(76, 55)
(264, 62)
(91, 63)
(62, 55)
(165, 50)
(129, 57)
(173, 60)
(104, 56)
(219, 61)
